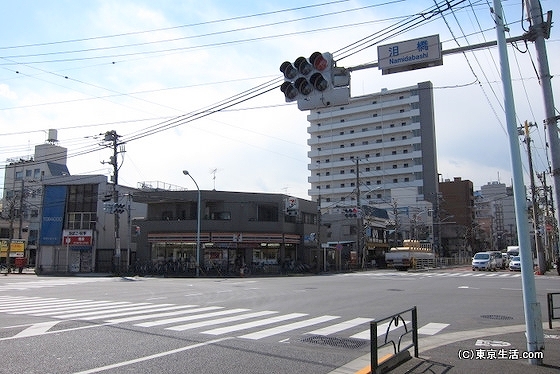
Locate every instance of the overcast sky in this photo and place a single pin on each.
(147, 69)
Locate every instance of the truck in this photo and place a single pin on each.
(412, 254)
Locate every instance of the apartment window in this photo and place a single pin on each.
(341, 133)
(394, 152)
(394, 166)
(404, 137)
(28, 173)
(374, 115)
(378, 182)
(365, 142)
(37, 174)
(327, 173)
(328, 186)
(405, 165)
(403, 123)
(19, 175)
(392, 139)
(364, 129)
(319, 149)
(392, 125)
(352, 144)
(342, 146)
(378, 127)
(327, 160)
(378, 141)
(378, 154)
(367, 169)
(367, 155)
(401, 97)
(406, 179)
(342, 185)
(374, 102)
(342, 159)
(342, 120)
(401, 111)
(378, 168)
(379, 196)
(405, 151)
(342, 172)
(395, 180)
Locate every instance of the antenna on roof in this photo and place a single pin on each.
(214, 171)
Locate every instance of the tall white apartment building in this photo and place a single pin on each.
(381, 142)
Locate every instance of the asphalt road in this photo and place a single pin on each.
(311, 324)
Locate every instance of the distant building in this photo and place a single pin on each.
(457, 217)
(60, 218)
(236, 228)
(366, 153)
(495, 210)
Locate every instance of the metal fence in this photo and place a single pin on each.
(393, 343)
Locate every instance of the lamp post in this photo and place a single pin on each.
(197, 225)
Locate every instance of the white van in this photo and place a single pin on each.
(484, 261)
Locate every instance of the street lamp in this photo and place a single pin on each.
(197, 225)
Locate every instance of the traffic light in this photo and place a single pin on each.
(118, 208)
(315, 82)
(351, 213)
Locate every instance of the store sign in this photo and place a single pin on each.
(77, 237)
(17, 247)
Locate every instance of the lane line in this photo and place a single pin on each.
(150, 357)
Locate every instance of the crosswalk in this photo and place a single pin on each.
(48, 283)
(211, 320)
(435, 274)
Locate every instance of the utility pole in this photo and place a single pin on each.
(113, 139)
(534, 197)
(359, 219)
(532, 308)
(538, 32)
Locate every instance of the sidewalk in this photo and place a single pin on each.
(493, 350)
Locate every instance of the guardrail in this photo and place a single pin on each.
(396, 342)
(551, 308)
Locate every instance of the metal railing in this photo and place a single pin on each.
(393, 341)
(551, 308)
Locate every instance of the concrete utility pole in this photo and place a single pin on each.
(533, 318)
(113, 138)
(534, 197)
(538, 32)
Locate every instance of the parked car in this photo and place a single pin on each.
(484, 261)
(515, 263)
(500, 262)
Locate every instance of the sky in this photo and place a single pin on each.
(193, 85)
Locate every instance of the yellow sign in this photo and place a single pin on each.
(17, 249)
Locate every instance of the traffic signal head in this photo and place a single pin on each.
(314, 82)
(306, 76)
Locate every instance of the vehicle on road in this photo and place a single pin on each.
(484, 261)
(412, 254)
(500, 262)
(515, 263)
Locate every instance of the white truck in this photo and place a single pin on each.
(412, 254)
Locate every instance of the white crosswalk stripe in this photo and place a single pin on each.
(209, 320)
(434, 274)
(47, 283)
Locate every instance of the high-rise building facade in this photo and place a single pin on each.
(383, 143)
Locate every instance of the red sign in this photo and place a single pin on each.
(77, 240)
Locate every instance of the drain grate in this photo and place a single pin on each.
(335, 342)
(495, 316)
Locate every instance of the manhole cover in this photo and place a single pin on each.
(495, 316)
(335, 342)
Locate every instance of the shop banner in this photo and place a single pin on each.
(52, 221)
